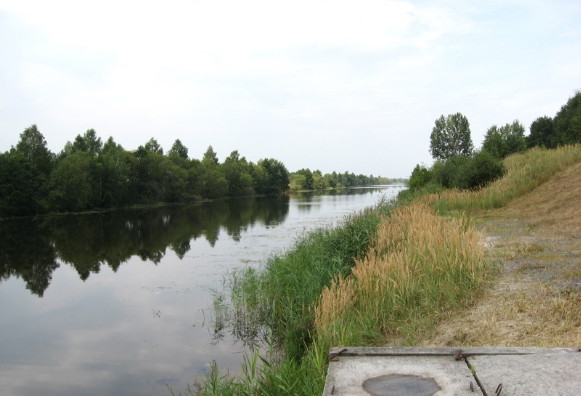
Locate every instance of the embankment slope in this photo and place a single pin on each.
(536, 298)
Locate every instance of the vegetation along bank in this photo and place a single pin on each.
(397, 273)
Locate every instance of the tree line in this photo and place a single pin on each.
(89, 174)
(458, 165)
(307, 180)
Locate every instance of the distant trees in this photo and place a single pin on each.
(457, 167)
(450, 137)
(306, 180)
(89, 174)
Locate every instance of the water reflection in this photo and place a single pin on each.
(133, 328)
(30, 249)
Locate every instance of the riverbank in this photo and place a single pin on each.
(535, 299)
(420, 270)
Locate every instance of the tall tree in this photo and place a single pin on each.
(72, 183)
(542, 133)
(153, 146)
(210, 157)
(451, 137)
(20, 186)
(277, 176)
(178, 150)
(237, 172)
(115, 163)
(32, 146)
(89, 142)
(568, 121)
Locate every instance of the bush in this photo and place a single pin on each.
(482, 169)
(420, 177)
(468, 172)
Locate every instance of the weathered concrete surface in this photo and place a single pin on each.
(450, 371)
(535, 374)
(346, 376)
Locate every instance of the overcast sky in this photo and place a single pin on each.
(329, 85)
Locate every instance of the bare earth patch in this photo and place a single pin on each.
(535, 300)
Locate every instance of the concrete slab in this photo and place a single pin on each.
(453, 371)
(347, 375)
(536, 374)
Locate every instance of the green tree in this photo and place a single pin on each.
(308, 179)
(32, 146)
(420, 177)
(237, 173)
(72, 183)
(277, 176)
(542, 133)
(115, 164)
(568, 121)
(506, 140)
(318, 180)
(89, 143)
(213, 183)
(21, 192)
(297, 182)
(210, 157)
(450, 137)
(153, 146)
(178, 150)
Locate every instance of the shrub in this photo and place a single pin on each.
(420, 177)
(469, 172)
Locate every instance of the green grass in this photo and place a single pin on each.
(283, 294)
(525, 172)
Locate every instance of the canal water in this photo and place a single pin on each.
(122, 303)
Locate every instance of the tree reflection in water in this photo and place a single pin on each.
(33, 249)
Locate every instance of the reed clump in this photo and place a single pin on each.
(420, 265)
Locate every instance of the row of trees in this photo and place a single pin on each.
(307, 180)
(90, 174)
(459, 166)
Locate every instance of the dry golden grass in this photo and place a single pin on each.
(423, 268)
(419, 261)
(536, 301)
(555, 205)
(516, 315)
(334, 302)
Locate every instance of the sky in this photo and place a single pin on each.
(332, 85)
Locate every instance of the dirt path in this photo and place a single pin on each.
(535, 300)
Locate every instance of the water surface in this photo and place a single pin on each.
(120, 303)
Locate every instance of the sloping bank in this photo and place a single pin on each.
(386, 276)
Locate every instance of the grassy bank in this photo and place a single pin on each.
(387, 276)
(524, 172)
